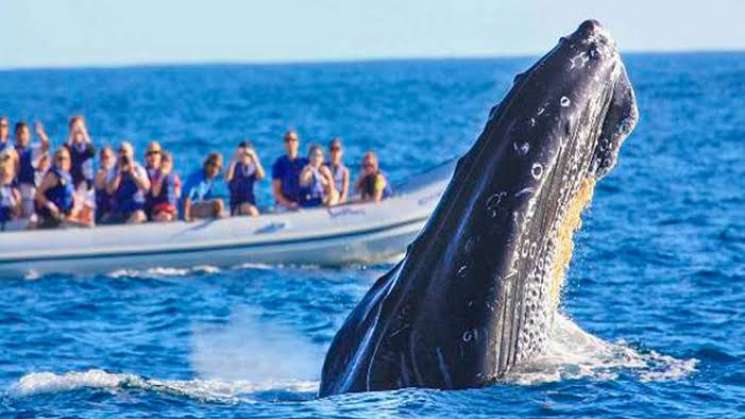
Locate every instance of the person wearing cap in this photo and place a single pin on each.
(286, 174)
(372, 185)
(203, 191)
(127, 183)
(243, 172)
(153, 158)
(165, 191)
(339, 171)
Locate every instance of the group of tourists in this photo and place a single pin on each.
(64, 186)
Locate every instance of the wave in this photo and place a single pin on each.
(202, 390)
(247, 357)
(572, 353)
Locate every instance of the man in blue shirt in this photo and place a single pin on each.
(286, 174)
(203, 191)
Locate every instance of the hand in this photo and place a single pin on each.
(251, 153)
(39, 129)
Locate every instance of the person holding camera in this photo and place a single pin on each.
(243, 172)
(127, 184)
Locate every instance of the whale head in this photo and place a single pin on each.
(477, 290)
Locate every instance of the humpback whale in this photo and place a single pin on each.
(478, 288)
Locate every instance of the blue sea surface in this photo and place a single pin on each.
(654, 306)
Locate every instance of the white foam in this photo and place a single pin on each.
(571, 353)
(163, 272)
(206, 390)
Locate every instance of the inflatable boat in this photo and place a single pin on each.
(352, 233)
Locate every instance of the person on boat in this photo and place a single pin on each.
(10, 196)
(153, 158)
(317, 185)
(104, 200)
(165, 191)
(127, 183)
(286, 174)
(243, 172)
(202, 191)
(339, 171)
(55, 196)
(5, 142)
(372, 185)
(27, 163)
(82, 153)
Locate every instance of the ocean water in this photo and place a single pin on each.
(653, 314)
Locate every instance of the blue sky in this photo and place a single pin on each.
(39, 33)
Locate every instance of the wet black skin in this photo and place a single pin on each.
(450, 314)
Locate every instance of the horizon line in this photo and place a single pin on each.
(331, 60)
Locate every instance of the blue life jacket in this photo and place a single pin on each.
(167, 193)
(242, 185)
(6, 203)
(61, 194)
(103, 203)
(26, 173)
(128, 197)
(81, 160)
(312, 195)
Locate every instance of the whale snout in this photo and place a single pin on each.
(590, 27)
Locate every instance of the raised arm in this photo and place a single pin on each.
(231, 170)
(306, 176)
(260, 173)
(42, 134)
(140, 178)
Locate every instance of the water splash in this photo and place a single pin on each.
(250, 347)
(571, 354)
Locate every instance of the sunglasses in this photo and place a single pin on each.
(152, 152)
(61, 158)
(335, 148)
(3, 125)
